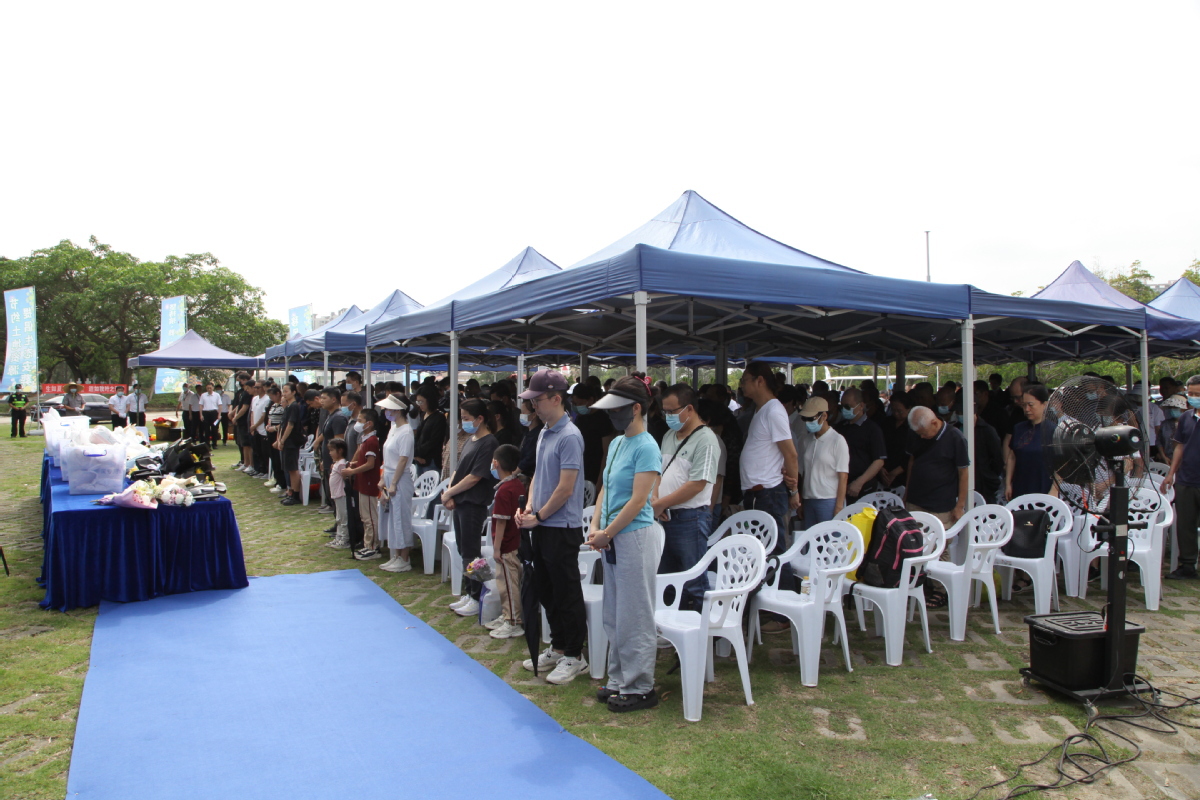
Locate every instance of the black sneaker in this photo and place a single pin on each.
(1183, 573)
(290, 501)
(620, 703)
(331, 529)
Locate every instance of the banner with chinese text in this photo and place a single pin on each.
(21, 353)
(172, 327)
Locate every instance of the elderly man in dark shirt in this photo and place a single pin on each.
(938, 467)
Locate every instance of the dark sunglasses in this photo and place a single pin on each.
(811, 419)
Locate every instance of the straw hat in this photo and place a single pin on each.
(71, 386)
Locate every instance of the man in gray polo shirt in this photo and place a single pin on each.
(555, 513)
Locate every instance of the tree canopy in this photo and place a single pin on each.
(97, 307)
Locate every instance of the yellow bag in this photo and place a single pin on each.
(865, 522)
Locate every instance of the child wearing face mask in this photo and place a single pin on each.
(506, 537)
(337, 493)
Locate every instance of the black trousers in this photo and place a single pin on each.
(1187, 516)
(556, 575)
(137, 418)
(469, 519)
(262, 459)
(354, 520)
(118, 421)
(209, 430)
(18, 421)
(225, 429)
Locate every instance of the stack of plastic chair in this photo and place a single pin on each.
(758, 524)
(1150, 511)
(881, 500)
(1042, 571)
(832, 550)
(740, 563)
(894, 607)
(987, 528)
(426, 492)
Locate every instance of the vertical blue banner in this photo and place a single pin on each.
(172, 327)
(300, 324)
(21, 353)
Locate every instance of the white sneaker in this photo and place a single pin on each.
(402, 566)
(269, 484)
(387, 564)
(496, 623)
(459, 602)
(508, 631)
(470, 609)
(566, 670)
(248, 469)
(549, 658)
(339, 544)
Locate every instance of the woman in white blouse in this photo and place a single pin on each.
(396, 490)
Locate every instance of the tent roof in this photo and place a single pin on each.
(1079, 284)
(285, 349)
(1182, 298)
(526, 265)
(195, 352)
(693, 225)
(757, 309)
(350, 333)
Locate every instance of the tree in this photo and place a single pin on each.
(1192, 273)
(1133, 281)
(97, 307)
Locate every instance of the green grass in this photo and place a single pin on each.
(935, 725)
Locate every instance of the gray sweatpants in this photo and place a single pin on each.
(629, 612)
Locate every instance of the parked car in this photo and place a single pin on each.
(95, 406)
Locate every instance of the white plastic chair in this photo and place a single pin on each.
(741, 561)
(426, 491)
(593, 601)
(987, 528)
(452, 566)
(589, 493)
(758, 524)
(1042, 571)
(880, 500)
(893, 607)
(1172, 532)
(1146, 544)
(307, 468)
(833, 549)
(1159, 468)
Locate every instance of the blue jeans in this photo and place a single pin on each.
(686, 544)
(818, 511)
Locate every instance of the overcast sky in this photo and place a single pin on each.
(333, 152)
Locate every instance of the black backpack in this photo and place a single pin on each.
(895, 536)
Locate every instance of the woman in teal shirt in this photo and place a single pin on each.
(623, 526)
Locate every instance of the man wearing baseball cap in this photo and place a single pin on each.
(554, 511)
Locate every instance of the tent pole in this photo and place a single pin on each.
(520, 364)
(286, 371)
(640, 300)
(875, 372)
(584, 367)
(695, 377)
(328, 374)
(368, 388)
(1031, 371)
(407, 379)
(454, 419)
(674, 371)
(721, 362)
(968, 395)
(1129, 376)
(1145, 399)
(789, 373)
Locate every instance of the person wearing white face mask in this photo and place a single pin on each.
(469, 494)
(864, 438)
(118, 404)
(396, 491)
(364, 468)
(826, 465)
(683, 497)
(1185, 476)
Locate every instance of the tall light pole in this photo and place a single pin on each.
(928, 278)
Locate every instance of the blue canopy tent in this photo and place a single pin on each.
(294, 345)
(1182, 298)
(193, 351)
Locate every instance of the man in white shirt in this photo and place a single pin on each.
(261, 466)
(769, 465)
(118, 405)
(826, 464)
(682, 499)
(210, 411)
(137, 401)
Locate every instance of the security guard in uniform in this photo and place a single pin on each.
(16, 403)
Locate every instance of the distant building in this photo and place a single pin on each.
(321, 319)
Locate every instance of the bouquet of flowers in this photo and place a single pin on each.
(139, 494)
(480, 570)
(175, 495)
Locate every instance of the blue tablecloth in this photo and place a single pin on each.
(95, 552)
